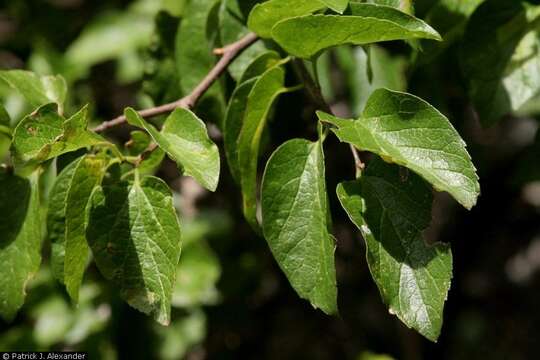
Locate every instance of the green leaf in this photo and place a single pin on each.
(296, 221)
(134, 235)
(37, 90)
(67, 219)
(234, 119)
(260, 65)
(263, 94)
(404, 5)
(20, 244)
(337, 5)
(501, 57)
(232, 27)
(185, 139)
(264, 16)
(406, 130)
(307, 36)
(45, 134)
(56, 217)
(391, 212)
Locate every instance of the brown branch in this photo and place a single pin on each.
(229, 52)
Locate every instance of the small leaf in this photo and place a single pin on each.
(45, 134)
(185, 139)
(337, 5)
(263, 94)
(37, 90)
(307, 36)
(296, 221)
(408, 131)
(264, 16)
(71, 250)
(391, 213)
(20, 241)
(134, 235)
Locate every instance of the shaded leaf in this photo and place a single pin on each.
(20, 241)
(134, 235)
(408, 131)
(391, 213)
(234, 119)
(296, 221)
(86, 177)
(307, 36)
(56, 217)
(185, 139)
(261, 97)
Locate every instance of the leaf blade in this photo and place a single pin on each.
(406, 130)
(140, 249)
(296, 221)
(306, 36)
(185, 139)
(391, 213)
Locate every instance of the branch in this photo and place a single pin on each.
(229, 52)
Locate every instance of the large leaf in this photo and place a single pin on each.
(501, 57)
(185, 139)
(391, 212)
(70, 251)
(307, 36)
(20, 239)
(408, 131)
(296, 221)
(264, 16)
(263, 94)
(336, 5)
(135, 238)
(45, 134)
(37, 90)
